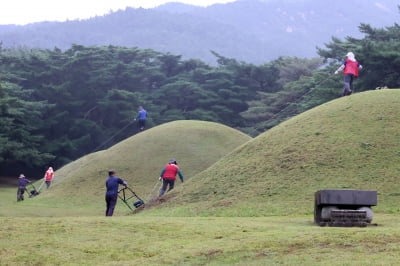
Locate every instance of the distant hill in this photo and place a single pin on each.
(348, 143)
(254, 31)
(196, 145)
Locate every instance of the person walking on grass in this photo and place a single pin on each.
(141, 117)
(112, 185)
(350, 69)
(22, 182)
(168, 176)
(48, 177)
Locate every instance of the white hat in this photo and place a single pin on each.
(21, 176)
(351, 56)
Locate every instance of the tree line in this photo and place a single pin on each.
(56, 106)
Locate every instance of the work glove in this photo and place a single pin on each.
(160, 178)
(336, 72)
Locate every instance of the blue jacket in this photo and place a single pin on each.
(112, 184)
(142, 115)
(22, 182)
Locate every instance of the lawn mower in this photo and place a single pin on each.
(129, 197)
(32, 191)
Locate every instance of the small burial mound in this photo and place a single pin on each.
(196, 145)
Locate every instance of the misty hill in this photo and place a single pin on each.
(139, 159)
(348, 143)
(253, 31)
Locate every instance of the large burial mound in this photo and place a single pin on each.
(349, 143)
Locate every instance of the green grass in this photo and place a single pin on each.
(134, 240)
(196, 145)
(245, 202)
(349, 143)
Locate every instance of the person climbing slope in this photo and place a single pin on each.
(350, 69)
(168, 176)
(49, 176)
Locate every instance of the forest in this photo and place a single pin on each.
(254, 31)
(56, 106)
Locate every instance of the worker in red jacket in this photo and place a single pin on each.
(350, 69)
(48, 176)
(168, 176)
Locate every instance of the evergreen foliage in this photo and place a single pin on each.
(57, 106)
(254, 31)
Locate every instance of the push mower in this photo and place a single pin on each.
(32, 191)
(129, 197)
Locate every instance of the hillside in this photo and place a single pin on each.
(139, 159)
(350, 143)
(254, 31)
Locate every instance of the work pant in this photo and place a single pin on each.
(20, 194)
(111, 201)
(348, 84)
(142, 124)
(48, 183)
(165, 184)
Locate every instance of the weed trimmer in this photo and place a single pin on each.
(41, 185)
(156, 185)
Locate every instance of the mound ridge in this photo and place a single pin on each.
(348, 143)
(196, 145)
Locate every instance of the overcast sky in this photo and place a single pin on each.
(27, 11)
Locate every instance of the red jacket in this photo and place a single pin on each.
(49, 175)
(351, 67)
(170, 171)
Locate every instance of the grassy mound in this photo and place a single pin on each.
(349, 143)
(139, 159)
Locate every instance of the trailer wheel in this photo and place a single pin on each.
(326, 212)
(370, 213)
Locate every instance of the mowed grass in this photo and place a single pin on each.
(80, 185)
(349, 143)
(252, 204)
(134, 240)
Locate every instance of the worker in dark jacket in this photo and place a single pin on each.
(22, 182)
(112, 185)
(168, 176)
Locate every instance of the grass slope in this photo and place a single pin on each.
(79, 186)
(348, 143)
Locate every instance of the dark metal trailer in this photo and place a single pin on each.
(338, 207)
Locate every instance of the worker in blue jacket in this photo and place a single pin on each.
(141, 117)
(112, 185)
(22, 182)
